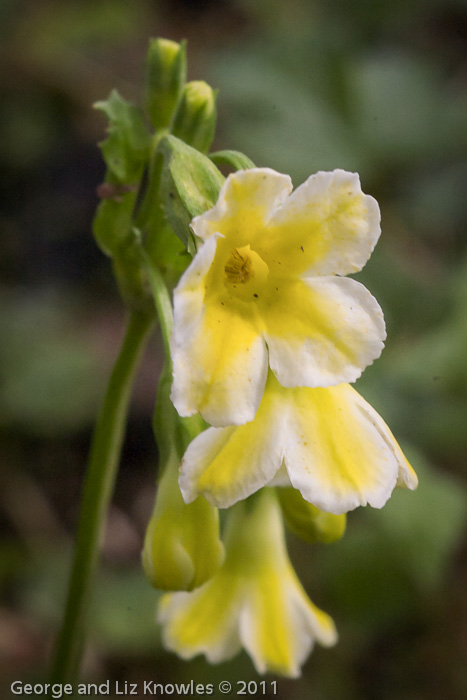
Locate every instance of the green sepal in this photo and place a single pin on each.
(233, 159)
(190, 185)
(182, 547)
(165, 77)
(196, 115)
(126, 150)
(309, 522)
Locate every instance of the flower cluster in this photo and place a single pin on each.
(255, 414)
(268, 334)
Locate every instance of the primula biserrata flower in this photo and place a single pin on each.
(255, 600)
(267, 287)
(328, 443)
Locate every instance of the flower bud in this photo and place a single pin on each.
(165, 78)
(182, 548)
(195, 118)
(309, 522)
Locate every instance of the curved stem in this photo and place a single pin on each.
(98, 488)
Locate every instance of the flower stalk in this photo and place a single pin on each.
(98, 488)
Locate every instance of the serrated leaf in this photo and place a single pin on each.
(190, 186)
(126, 149)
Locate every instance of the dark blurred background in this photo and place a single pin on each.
(379, 88)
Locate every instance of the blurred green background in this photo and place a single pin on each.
(374, 87)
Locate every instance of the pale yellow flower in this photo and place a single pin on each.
(267, 288)
(255, 600)
(328, 443)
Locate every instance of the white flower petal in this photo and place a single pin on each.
(229, 464)
(203, 621)
(339, 453)
(323, 331)
(219, 358)
(327, 225)
(247, 196)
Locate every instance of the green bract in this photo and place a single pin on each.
(190, 186)
(234, 159)
(126, 153)
(126, 149)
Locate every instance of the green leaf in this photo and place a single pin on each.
(190, 186)
(234, 159)
(126, 150)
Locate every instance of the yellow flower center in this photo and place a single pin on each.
(246, 273)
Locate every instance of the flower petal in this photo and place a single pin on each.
(279, 624)
(245, 202)
(327, 226)
(219, 358)
(229, 464)
(406, 475)
(323, 331)
(204, 621)
(340, 454)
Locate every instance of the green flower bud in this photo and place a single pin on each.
(165, 78)
(182, 548)
(195, 119)
(309, 522)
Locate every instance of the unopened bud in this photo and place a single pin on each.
(165, 78)
(182, 546)
(309, 522)
(195, 119)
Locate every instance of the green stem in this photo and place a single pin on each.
(162, 302)
(165, 422)
(171, 431)
(98, 488)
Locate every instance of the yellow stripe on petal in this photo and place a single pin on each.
(229, 464)
(322, 332)
(267, 630)
(203, 621)
(338, 455)
(327, 226)
(220, 360)
(246, 200)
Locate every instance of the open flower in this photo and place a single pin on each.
(255, 600)
(266, 288)
(328, 443)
